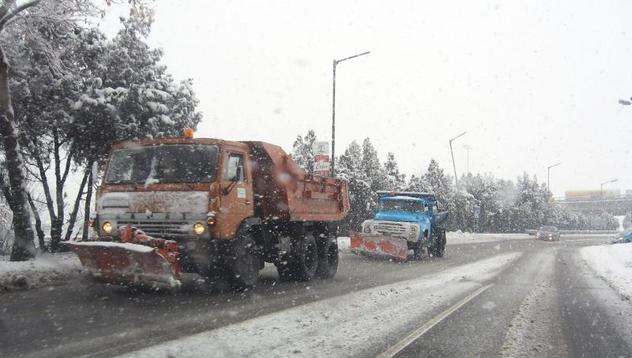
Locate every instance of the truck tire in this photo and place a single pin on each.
(243, 262)
(437, 249)
(327, 258)
(417, 251)
(302, 264)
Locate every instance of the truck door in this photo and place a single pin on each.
(238, 200)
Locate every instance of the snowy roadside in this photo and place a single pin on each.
(456, 237)
(46, 269)
(364, 320)
(613, 263)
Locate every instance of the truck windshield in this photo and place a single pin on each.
(402, 205)
(163, 164)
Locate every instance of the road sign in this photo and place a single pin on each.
(321, 158)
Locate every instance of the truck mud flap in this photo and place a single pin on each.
(127, 264)
(379, 246)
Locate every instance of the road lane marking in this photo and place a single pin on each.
(360, 318)
(413, 336)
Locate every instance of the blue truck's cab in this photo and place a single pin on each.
(411, 216)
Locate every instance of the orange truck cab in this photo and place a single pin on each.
(224, 208)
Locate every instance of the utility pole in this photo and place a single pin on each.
(456, 179)
(606, 182)
(467, 150)
(548, 175)
(333, 110)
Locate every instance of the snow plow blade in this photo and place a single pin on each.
(379, 246)
(154, 263)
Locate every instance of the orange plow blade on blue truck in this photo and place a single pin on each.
(379, 246)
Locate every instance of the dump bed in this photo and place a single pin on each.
(284, 190)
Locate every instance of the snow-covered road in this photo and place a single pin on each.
(613, 263)
(362, 321)
(487, 297)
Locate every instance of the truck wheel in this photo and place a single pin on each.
(302, 263)
(328, 258)
(417, 251)
(243, 262)
(439, 243)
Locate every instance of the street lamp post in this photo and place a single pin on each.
(467, 150)
(548, 175)
(606, 182)
(333, 110)
(456, 179)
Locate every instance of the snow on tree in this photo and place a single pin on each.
(47, 79)
(370, 166)
(395, 180)
(303, 151)
(85, 94)
(482, 203)
(439, 183)
(418, 183)
(362, 197)
(14, 188)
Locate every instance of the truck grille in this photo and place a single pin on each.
(391, 228)
(159, 229)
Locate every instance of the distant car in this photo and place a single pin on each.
(548, 233)
(624, 238)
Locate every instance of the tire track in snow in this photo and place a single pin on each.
(356, 324)
(535, 330)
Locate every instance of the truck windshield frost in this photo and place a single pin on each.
(163, 164)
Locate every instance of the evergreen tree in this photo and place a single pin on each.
(371, 167)
(303, 151)
(394, 179)
(362, 197)
(482, 203)
(82, 95)
(438, 182)
(417, 183)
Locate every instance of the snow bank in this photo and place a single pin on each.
(613, 263)
(363, 320)
(45, 270)
(458, 237)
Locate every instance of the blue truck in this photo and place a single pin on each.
(405, 225)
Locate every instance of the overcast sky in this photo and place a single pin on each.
(532, 82)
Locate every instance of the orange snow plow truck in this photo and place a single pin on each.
(176, 208)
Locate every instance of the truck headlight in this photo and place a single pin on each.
(107, 227)
(413, 233)
(199, 228)
(366, 227)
